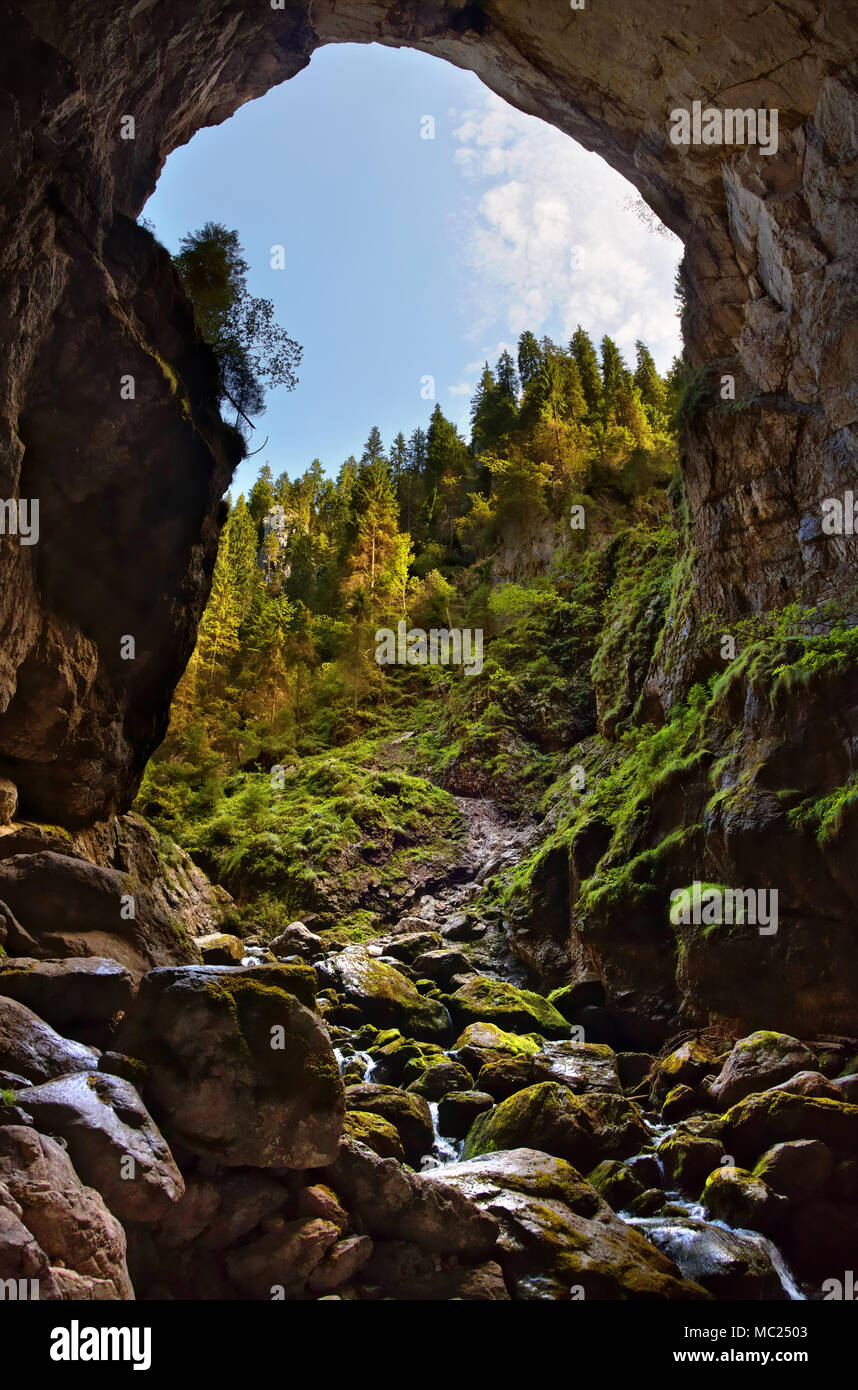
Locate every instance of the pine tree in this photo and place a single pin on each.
(507, 378)
(261, 498)
(615, 374)
(653, 391)
(529, 358)
(584, 356)
(373, 450)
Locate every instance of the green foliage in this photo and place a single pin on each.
(254, 353)
(435, 533)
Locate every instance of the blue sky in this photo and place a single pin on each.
(409, 257)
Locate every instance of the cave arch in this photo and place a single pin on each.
(770, 280)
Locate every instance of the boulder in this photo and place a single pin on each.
(686, 1065)
(458, 1110)
(730, 1264)
(31, 1048)
(21, 1256)
(580, 1066)
(281, 1259)
(86, 988)
(442, 966)
(69, 1221)
(756, 1063)
(413, 944)
(395, 1204)
(112, 1141)
(482, 1000)
(297, 940)
(384, 996)
(238, 1067)
(557, 1237)
(376, 1132)
(408, 1113)
(569, 1000)
(688, 1159)
(480, 1043)
(220, 948)
(739, 1198)
(504, 1076)
(320, 1200)
(821, 1239)
(440, 1078)
(758, 1122)
(548, 1116)
(341, 1264)
(70, 907)
(798, 1170)
(616, 1184)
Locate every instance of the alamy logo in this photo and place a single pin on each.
(19, 1290)
(20, 517)
(732, 126)
(840, 518)
(439, 647)
(76, 1343)
(710, 905)
(841, 1290)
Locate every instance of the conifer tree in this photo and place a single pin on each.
(584, 356)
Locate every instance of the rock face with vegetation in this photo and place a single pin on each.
(388, 956)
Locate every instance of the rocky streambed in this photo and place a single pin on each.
(401, 1118)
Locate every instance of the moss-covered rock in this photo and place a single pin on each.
(481, 1043)
(408, 1113)
(756, 1063)
(384, 996)
(581, 1129)
(741, 1199)
(688, 1159)
(798, 1170)
(239, 1069)
(440, 1078)
(614, 1181)
(482, 1000)
(376, 1132)
(686, 1065)
(760, 1121)
(558, 1238)
(458, 1110)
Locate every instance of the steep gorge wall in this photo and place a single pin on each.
(130, 491)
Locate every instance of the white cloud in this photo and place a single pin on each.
(557, 238)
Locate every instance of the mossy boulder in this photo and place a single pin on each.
(482, 1000)
(688, 1159)
(238, 1068)
(678, 1104)
(480, 1043)
(581, 1129)
(798, 1170)
(220, 948)
(503, 1076)
(384, 996)
(440, 1078)
(569, 1000)
(686, 1065)
(616, 1183)
(760, 1121)
(578, 1065)
(458, 1110)
(758, 1062)
(376, 1132)
(408, 1113)
(741, 1199)
(558, 1238)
